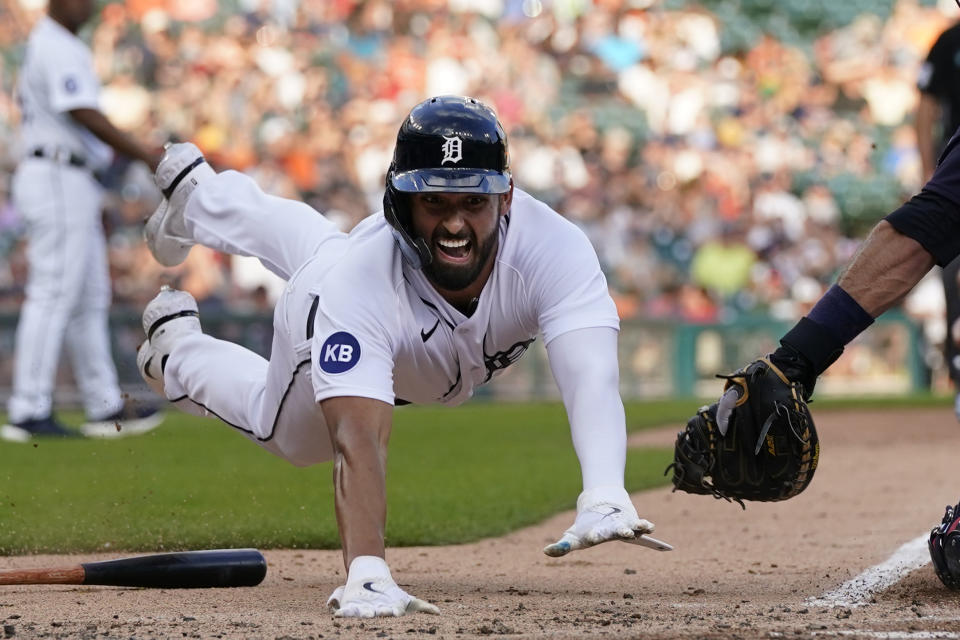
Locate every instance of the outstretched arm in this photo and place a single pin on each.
(888, 265)
(758, 442)
(584, 364)
(360, 430)
(886, 268)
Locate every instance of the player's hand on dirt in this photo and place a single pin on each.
(376, 598)
(366, 596)
(603, 514)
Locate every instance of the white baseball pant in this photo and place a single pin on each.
(271, 402)
(68, 291)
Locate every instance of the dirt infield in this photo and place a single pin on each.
(883, 481)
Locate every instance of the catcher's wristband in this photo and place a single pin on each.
(815, 343)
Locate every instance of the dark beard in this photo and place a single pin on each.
(457, 278)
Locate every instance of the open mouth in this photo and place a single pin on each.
(455, 250)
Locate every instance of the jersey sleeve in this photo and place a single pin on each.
(935, 72)
(567, 288)
(946, 177)
(932, 217)
(71, 83)
(352, 349)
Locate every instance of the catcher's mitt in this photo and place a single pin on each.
(757, 443)
(944, 545)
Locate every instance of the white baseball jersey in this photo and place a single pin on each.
(380, 330)
(383, 332)
(68, 287)
(57, 76)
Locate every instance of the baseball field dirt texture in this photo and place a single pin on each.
(846, 559)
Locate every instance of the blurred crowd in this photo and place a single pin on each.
(711, 181)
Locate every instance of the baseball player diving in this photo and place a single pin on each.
(64, 140)
(421, 303)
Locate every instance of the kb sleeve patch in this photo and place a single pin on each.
(339, 354)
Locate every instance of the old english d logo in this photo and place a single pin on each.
(452, 150)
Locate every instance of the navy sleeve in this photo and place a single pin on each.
(935, 72)
(932, 217)
(945, 181)
(931, 221)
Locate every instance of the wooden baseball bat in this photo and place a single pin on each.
(180, 570)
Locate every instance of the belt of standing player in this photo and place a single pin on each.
(61, 155)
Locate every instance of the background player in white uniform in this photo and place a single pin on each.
(419, 304)
(64, 138)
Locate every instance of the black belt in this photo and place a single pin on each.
(71, 158)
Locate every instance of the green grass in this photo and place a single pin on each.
(454, 475)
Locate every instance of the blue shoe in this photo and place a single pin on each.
(129, 421)
(24, 431)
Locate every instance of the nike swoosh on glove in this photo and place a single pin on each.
(603, 514)
(369, 593)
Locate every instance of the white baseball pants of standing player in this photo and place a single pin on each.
(67, 294)
(271, 402)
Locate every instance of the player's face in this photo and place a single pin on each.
(74, 12)
(462, 231)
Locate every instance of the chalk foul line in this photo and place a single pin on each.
(856, 592)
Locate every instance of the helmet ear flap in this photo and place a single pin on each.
(396, 210)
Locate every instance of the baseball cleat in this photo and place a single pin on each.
(167, 248)
(169, 316)
(181, 169)
(25, 431)
(129, 421)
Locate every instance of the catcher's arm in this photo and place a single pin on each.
(713, 454)
(584, 364)
(887, 266)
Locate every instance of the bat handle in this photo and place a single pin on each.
(63, 575)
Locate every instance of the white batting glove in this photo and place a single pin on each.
(370, 592)
(603, 514)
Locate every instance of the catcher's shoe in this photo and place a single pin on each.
(181, 169)
(169, 316)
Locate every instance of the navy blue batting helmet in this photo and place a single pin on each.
(446, 144)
